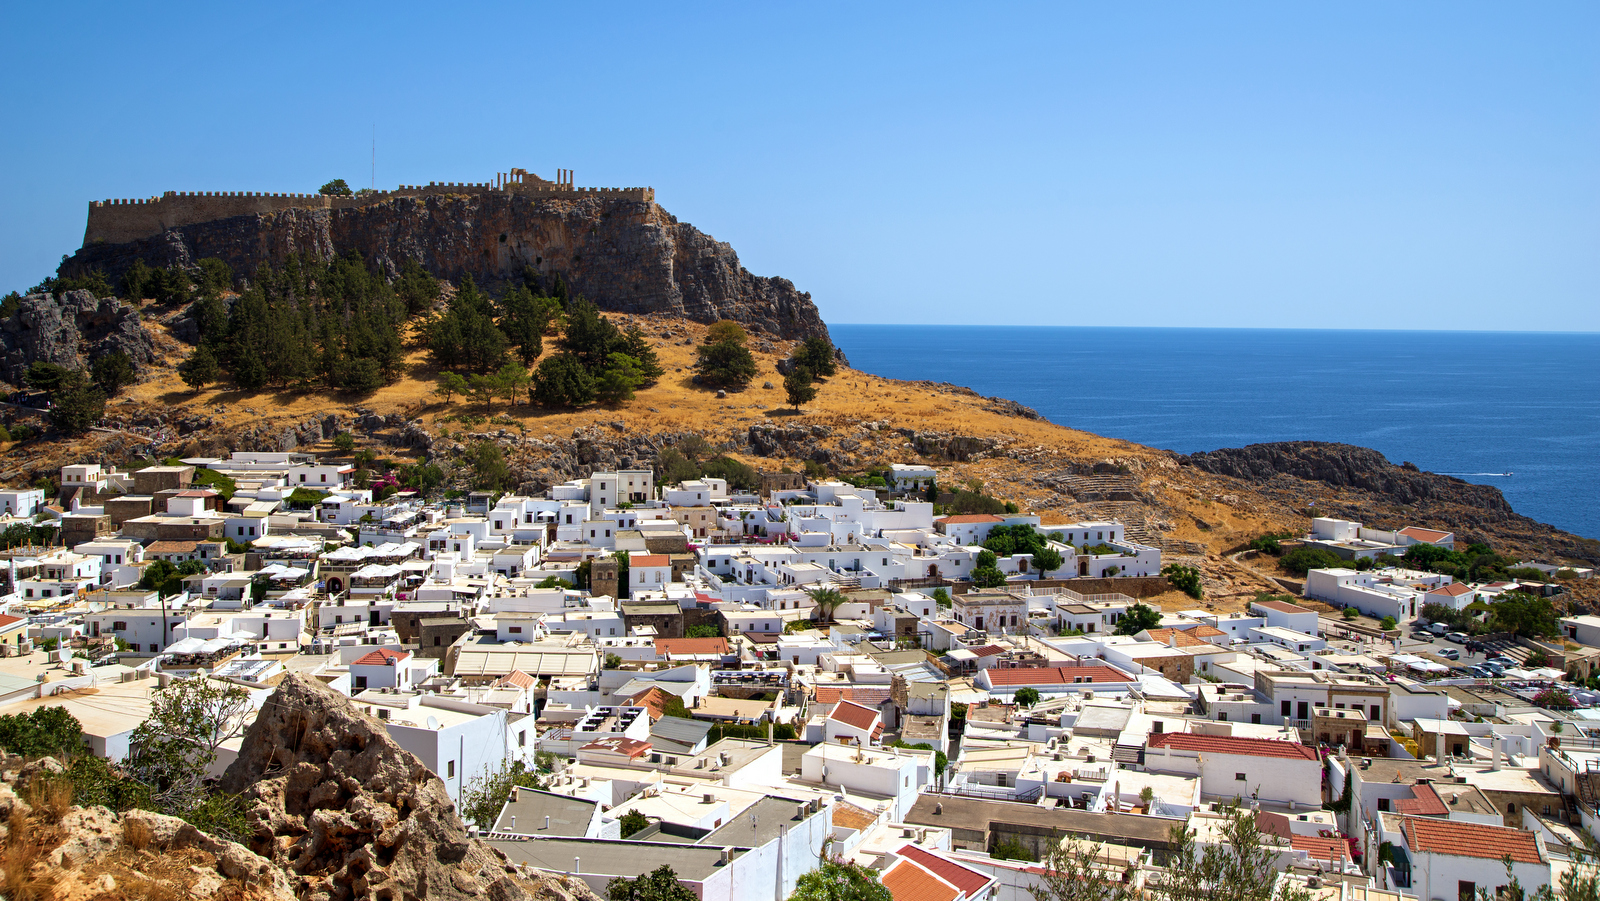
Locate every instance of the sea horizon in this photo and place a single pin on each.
(1474, 404)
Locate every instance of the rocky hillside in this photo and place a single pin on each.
(626, 256)
(340, 813)
(71, 332)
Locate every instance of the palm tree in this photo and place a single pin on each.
(827, 601)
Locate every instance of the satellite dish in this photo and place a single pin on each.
(433, 721)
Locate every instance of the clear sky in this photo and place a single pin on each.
(1411, 165)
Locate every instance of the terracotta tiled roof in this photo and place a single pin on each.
(854, 715)
(649, 560)
(972, 517)
(1454, 590)
(1463, 839)
(969, 881)
(688, 647)
(1280, 606)
(1427, 803)
(988, 650)
(171, 547)
(632, 747)
(1185, 640)
(1205, 631)
(516, 678)
(1055, 675)
(849, 816)
(652, 699)
(908, 882)
(1227, 744)
(869, 696)
(1430, 535)
(380, 657)
(7, 620)
(1321, 848)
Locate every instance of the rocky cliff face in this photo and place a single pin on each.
(626, 256)
(70, 331)
(1359, 483)
(349, 814)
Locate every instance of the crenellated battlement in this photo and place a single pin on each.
(122, 220)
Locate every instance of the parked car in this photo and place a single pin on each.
(1426, 636)
(1494, 668)
(1449, 653)
(1456, 637)
(1481, 671)
(1437, 628)
(1502, 660)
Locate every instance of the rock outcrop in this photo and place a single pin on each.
(1344, 466)
(626, 256)
(70, 331)
(349, 814)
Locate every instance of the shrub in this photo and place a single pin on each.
(1302, 560)
(1184, 578)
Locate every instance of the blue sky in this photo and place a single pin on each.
(1418, 165)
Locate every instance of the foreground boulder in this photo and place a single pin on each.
(352, 815)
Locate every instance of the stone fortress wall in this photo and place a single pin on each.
(120, 221)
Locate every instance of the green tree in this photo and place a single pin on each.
(78, 405)
(465, 336)
(1138, 618)
(1026, 697)
(337, 188)
(798, 387)
(1184, 578)
(1523, 614)
(112, 372)
(344, 442)
(483, 388)
(44, 731)
(486, 795)
(588, 336)
(632, 822)
(489, 469)
(816, 354)
(1237, 866)
(513, 377)
(702, 631)
(618, 380)
(524, 320)
(1048, 560)
(562, 381)
(839, 880)
(673, 468)
(1350, 614)
(660, 885)
(988, 577)
(827, 600)
(637, 346)
(215, 277)
(48, 377)
(200, 369)
(172, 750)
(136, 281)
(726, 330)
(451, 384)
(1076, 870)
(726, 363)
(1388, 623)
(1304, 559)
(415, 288)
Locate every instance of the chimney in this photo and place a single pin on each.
(1116, 797)
(1494, 751)
(1172, 638)
(546, 822)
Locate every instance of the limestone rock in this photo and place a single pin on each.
(71, 331)
(352, 815)
(627, 256)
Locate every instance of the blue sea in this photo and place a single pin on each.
(1475, 405)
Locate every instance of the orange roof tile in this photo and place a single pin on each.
(870, 696)
(850, 816)
(7, 619)
(1280, 606)
(689, 647)
(1205, 631)
(1454, 590)
(1463, 839)
(1427, 803)
(380, 657)
(517, 679)
(1321, 848)
(907, 881)
(853, 714)
(1184, 639)
(969, 881)
(972, 517)
(632, 747)
(649, 560)
(1055, 675)
(652, 699)
(1227, 744)
(1430, 535)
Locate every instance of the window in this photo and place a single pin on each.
(1466, 891)
(450, 769)
(383, 713)
(514, 629)
(522, 738)
(1511, 808)
(1255, 719)
(324, 477)
(119, 627)
(1285, 706)
(1383, 804)
(1375, 712)
(1239, 777)
(1222, 716)
(361, 682)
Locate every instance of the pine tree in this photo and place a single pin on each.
(589, 337)
(200, 369)
(524, 319)
(798, 387)
(562, 381)
(637, 346)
